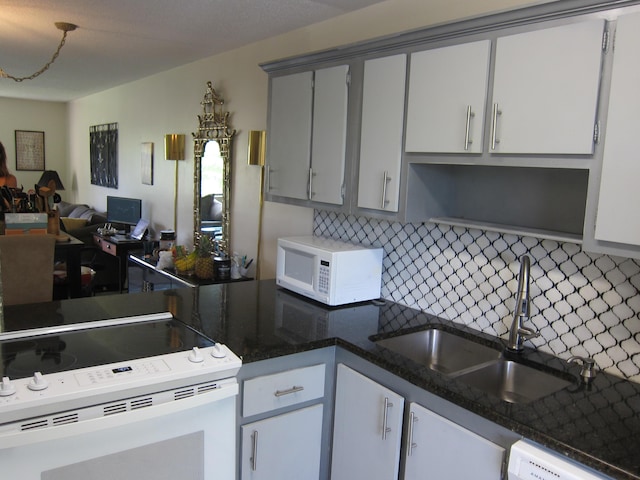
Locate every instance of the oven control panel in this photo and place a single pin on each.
(95, 384)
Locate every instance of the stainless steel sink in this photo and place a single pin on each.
(441, 351)
(513, 382)
(474, 364)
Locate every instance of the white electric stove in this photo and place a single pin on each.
(136, 397)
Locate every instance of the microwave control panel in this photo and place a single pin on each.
(323, 277)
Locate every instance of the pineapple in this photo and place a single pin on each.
(204, 261)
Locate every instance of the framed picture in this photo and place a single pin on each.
(29, 150)
(103, 152)
(146, 163)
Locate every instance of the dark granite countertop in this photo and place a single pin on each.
(598, 425)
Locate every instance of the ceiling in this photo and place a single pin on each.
(118, 41)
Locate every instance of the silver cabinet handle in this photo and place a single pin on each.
(385, 415)
(268, 182)
(385, 179)
(411, 446)
(254, 450)
(294, 389)
(494, 125)
(311, 174)
(467, 140)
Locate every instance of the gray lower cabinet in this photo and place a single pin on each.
(368, 437)
(284, 409)
(367, 428)
(376, 426)
(284, 447)
(440, 449)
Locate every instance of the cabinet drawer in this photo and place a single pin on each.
(269, 392)
(107, 247)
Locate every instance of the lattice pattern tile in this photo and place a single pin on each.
(583, 304)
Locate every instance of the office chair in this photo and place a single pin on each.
(27, 268)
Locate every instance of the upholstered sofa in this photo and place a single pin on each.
(80, 221)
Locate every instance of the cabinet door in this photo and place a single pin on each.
(546, 90)
(367, 428)
(285, 447)
(381, 133)
(289, 143)
(617, 219)
(440, 449)
(329, 134)
(447, 97)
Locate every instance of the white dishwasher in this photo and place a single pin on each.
(528, 461)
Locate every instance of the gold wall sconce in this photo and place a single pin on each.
(174, 150)
(256, 156)
(257, 147)
(174, 146)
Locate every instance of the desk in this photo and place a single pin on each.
(69, 251)
(120, 249)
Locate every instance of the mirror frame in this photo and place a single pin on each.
(213, 125)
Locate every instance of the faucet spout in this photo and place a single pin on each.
(518, 333)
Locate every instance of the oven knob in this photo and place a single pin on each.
(196, 355)
(38, 382)
(6, 387)
(217, 351)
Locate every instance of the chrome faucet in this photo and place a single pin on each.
(522, 309)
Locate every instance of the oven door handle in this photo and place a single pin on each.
(17, 439)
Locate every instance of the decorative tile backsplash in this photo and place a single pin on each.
(582, 304)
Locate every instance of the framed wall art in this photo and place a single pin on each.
(29, 150)
(146, 163)
(103, 150)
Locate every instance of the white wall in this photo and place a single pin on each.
(47, 117)
(169, 102)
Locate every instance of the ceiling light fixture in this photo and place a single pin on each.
(65, 27)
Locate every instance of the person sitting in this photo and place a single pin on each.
(6, 178)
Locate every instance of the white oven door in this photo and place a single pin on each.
(190, 438)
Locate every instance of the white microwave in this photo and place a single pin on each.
(329, 271)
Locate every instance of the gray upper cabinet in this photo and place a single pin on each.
(545, 90)
(519, 122)
(307, 135)
(381, 133)
(619, 198)
(289, 145)
(447, 97)
(329, 135)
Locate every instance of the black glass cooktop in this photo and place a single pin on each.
(96, 346)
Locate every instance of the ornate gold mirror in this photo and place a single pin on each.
(212, 172)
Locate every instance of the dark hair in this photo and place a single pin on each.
(4, 170)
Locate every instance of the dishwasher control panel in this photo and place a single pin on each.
(527, 461)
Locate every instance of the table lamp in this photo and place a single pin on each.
(47, 185)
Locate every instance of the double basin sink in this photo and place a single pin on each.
(477, 365)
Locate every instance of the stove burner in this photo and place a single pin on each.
(45, 356)
(141, 340)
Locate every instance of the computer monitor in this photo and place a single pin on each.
(126, 211)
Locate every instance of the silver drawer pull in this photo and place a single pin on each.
(494, 126)
(467, 139)
(254, 451)
(294, 389)
(385, 180)
(412, 420)
(385, 412)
